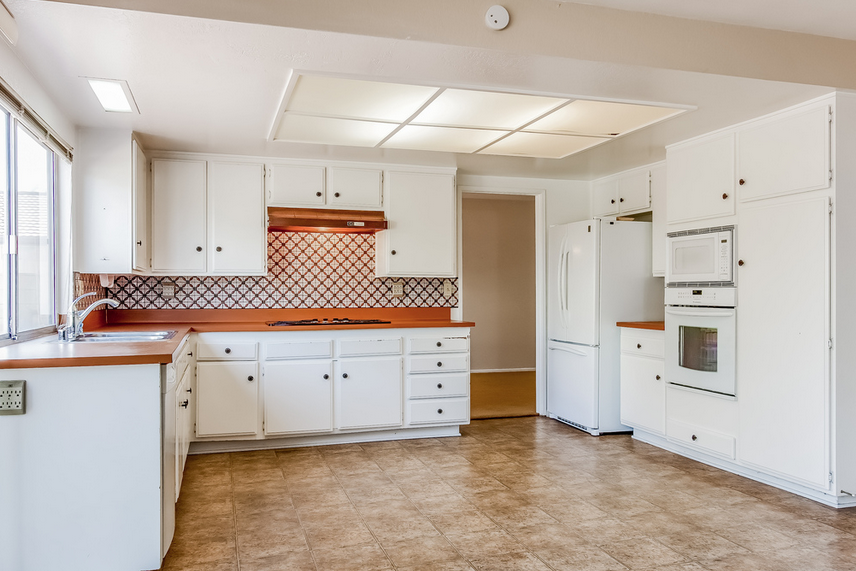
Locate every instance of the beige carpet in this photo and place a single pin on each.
(499, 395)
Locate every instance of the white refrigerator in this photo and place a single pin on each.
(599, 274)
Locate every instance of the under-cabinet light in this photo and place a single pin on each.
(114, 95)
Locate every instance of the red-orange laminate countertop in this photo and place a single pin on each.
(652, 325)
(47, 352)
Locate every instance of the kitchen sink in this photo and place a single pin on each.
(122, 336)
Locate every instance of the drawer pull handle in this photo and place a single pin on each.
(741, 182)
(190, 390)
(228, 350)
(439, 344)
(336, 194)
(219, 248)
(326, 376)
(185, 403)
(740, 263)
(393, 252)
(439, 411)
(344, 375)
(251, 378)
(317, 194)
(439, 385)
(658, 377)
(198, 248)
(695, 437)
(139, 242)
(190, 354)
(439, 363)
(612, 201)
(638, 345)
(620, 200)
(724, 196)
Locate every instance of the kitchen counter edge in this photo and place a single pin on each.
(650, 325)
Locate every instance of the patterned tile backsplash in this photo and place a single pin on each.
(305, 270)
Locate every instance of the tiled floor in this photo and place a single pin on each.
(515, 494)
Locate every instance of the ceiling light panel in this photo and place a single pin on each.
(485, 109)
(541, 145)
(356, 99)
(113, 94)
(601, 118)
(331, 131)
(445, 139)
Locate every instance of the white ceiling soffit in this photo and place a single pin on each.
(831, 18)
(339, 111)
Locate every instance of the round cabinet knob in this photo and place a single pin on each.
(344, 375)
(740, 262)
(198, 248)
(139, 242)
(439, 363)
(326, 376)
(612, 201)
(658, 377)
(251, 378)
(190, 354)
(219, 249)
(439, 344)
(393, 252)
(695, 437)
(638, 345)
(741, 182)
(317, 194)
(439, 411)
(185, 403)
(620, 200)
(336, 194)
(439, 385)
(724, 196)
(190, 390)
(228, 350)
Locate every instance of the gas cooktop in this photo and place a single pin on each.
(334, 321)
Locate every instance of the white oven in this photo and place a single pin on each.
(701, 257)
(701, 335)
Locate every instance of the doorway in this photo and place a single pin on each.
(499, 265)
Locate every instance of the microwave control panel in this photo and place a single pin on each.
(710, 297)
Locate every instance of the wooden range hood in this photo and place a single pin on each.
(325, 220)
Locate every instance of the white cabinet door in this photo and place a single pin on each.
(604, 200)
(296, 185)
(700, 179)
(227, 403)
(355, 188)
(658, 221)
(298, 397)
(420, 240)
(368, 393)
(784, 156)
(236, 219)
(634, 192)
(182, 427)
(783, 333)
(643, 395)
(142, 209)
(178, 213)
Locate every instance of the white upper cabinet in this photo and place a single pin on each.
(236, 221)
(700, 179)
(787, 155)
(178, 216)
(111, 203)
(296, 185)
(420, 241)
(355, 188)
(658, 220)
(624, 193)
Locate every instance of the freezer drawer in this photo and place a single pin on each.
(572, 376)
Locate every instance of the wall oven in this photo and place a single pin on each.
(701, 332)
(702, 257)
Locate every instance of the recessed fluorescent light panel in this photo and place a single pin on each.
(360, 113)
(114, 95)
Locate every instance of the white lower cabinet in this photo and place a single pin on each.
(298, 397)
(438, 383)
(643, 396)
(228, 398)
(368, 393)
(703, 421)
(183, 426)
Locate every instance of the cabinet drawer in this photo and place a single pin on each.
(705, 440)
(438, 363)
(227, 351)
(440, 411)
(299, 350)
(438, 344)
(363, 347)
(643, 345)
(438, 386)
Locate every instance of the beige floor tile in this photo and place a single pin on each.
(520, 516)
(353, 558)
(642, 553)
(481, 544)
(546, 536)
(520, 561)
(295, 561)
(339, 535)
(701, 545)
(267, 544)
(459, 564)
(426, 550)
(462, 522)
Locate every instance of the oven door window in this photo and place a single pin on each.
(697, 348)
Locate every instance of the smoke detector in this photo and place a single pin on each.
(496, 17)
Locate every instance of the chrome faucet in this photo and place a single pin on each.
(74, 328)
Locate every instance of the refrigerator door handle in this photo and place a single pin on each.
(569, 350)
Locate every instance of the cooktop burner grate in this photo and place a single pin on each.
(334, 321)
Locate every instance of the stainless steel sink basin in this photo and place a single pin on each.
(122, 336)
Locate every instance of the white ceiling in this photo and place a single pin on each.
(215, 86)
(833, 18)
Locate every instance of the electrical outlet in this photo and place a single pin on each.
(12, 397)
(447, 288)
(168, 290)
(398, 289)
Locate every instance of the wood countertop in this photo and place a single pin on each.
(652, 325)
(48, 352)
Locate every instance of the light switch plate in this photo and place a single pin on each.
(398, 289)
(12, 397)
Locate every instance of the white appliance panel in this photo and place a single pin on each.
(702, 257)
(556, 328)
(580, 273)
(572, 384)
(703, 343)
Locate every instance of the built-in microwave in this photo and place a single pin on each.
(702, 257)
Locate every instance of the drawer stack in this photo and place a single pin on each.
(437, 387)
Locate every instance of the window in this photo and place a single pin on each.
(27, 282)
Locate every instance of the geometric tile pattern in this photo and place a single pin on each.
(88, 283)
(305, 270)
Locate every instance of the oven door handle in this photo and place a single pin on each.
(710, 313)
